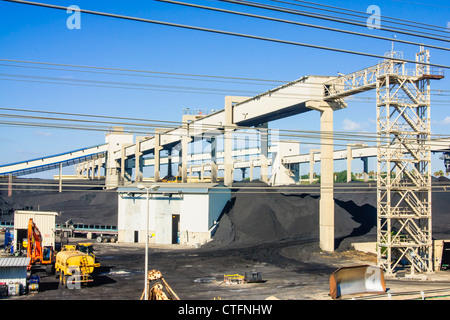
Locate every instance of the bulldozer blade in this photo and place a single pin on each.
(356, 279)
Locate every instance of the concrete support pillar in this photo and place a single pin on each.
(228, 158)
(92, 169)
(251, 169)
(349, 163)
(10, 178)
(311, 164)
(264, 139)
(60, 177)
(157, 154)
(184, 156)
(169, 162)
(326, 181)
(229, 127)
(365, 161)
(326, 211)
(138, 175)
(99, 166)
(202, 172)
(213, 159)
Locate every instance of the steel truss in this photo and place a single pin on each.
(404, 230)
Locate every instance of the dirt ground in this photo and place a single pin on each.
(291, 270)
(282, 246)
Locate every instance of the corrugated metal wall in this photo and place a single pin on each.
(14, 275)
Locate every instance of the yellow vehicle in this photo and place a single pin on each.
(74, 267)
(172, 179)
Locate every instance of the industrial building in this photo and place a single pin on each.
(183, 213)
(44, 220)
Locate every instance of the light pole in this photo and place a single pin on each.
(154, 188)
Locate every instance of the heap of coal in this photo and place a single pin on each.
(81, 202)
(259, 214)
(256, 213)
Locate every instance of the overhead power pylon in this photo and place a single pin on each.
(404, 229)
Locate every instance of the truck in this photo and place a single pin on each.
(74, 267)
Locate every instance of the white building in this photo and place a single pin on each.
(184, 213)
(44, 220)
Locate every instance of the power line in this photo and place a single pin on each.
(339, 136)
(141, 71)
(418, 33)
(328, 18)
(241, 35)
(415, 23)
(300, 24)
(182, 89)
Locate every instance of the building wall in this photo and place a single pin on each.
(197, 214)
(14, 275)
(44, 220)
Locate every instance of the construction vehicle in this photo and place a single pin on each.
(156, 292)
(39, 255)
(171, 179)
(74, 267)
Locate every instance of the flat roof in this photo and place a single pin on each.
(172, 187)
(52, 213)
(14, 262)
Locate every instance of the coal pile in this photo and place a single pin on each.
(257, 214)
(87, 203)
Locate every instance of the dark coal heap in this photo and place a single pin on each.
(256, 213)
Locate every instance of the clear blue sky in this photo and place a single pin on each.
(40, 34)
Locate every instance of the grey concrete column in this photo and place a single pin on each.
(60, 177)
(349, 163)
(99, 166)
(264, 154)
(311, 164)
(157, 154)
(229, 127)
(92, 169)
(213, 159)
(365, 161)
(228, 157)
(326, 211)
(184, 156)
(326, 181)
(138, 175)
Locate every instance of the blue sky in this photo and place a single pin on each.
(40, 34)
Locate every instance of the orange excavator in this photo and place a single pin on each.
(38, 254)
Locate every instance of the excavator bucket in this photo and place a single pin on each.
(356, 279)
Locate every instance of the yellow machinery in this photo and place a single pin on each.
(74, 267)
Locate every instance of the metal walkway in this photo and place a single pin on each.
(52, 162)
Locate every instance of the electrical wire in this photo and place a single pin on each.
(330, 18)
(133, 127)
(368, 16)
(414, 23)
(301, 24)
(235, 34)
(182, 89)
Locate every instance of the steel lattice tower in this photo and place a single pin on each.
(404, 229)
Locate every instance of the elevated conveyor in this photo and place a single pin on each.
(52, 162)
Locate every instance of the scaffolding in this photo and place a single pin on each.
(404, 230)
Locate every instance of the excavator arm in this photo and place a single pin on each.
(34, 245)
